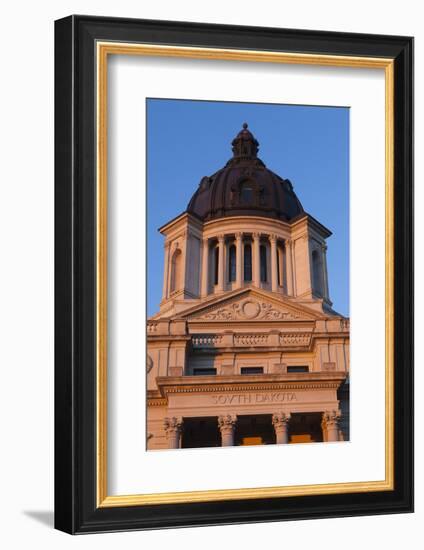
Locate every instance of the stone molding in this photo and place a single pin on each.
(288, 386)
(157, 402)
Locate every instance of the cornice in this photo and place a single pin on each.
(269, 382)
(183, 217)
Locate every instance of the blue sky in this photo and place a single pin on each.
(309, 145)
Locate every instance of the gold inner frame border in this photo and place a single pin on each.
(103, 50)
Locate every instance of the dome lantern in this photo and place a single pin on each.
(244, 144)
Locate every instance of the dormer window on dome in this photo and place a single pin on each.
(246, 193)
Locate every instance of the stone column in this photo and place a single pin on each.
(221, 264)
(166, 272)
(280, 422)
(256, 260)
(330, 421)
(239, 264)
(274, 275)
(173, 428)
(289, 268)
(227, 424)
(205, 268)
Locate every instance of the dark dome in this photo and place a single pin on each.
(245, 186)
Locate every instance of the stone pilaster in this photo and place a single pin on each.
(325, 272)
(173, 428)
(280, 422)
(205, 268)
(289, 267)
(166, 272)
(227, 425)
(293, 266)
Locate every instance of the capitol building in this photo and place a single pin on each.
(246, 348)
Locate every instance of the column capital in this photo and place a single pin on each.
(280, 420)
(273, 238)
(238, 236)
(256, 235)
(172, 425)
(227, 423)
(173, 428)
(324, 248)
(331, 418)
(205, 241)
(221, 238)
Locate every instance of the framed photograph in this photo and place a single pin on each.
(234, 274)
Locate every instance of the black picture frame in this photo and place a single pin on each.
(76, 510)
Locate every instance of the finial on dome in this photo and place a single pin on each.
(244, 144)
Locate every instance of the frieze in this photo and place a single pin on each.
(254, 398)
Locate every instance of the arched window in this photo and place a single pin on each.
(247, 262)
(262, 252)
(246, 193)
(317, 273)
(176, 270)
(232, 263)
(216, 265)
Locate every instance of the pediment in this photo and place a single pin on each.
(250, 305)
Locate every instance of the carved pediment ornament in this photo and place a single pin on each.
(247, 310)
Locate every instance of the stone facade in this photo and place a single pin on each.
(246, 348)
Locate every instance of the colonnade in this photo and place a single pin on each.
(227, 425)
(281, 270)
